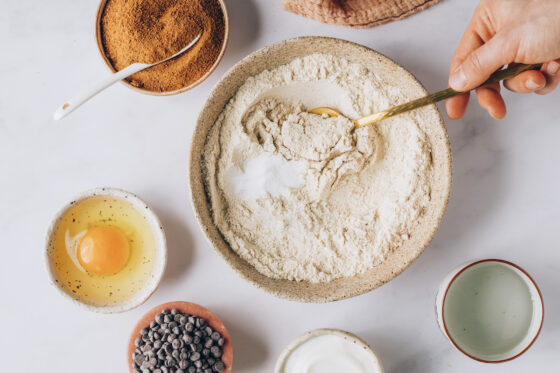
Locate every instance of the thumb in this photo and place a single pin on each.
(480, 64)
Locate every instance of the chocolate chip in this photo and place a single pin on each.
(139, 359)
(168, 348)
(183, 364)
(150, 353)
(152, 362)
(216, 351)
(187, 338)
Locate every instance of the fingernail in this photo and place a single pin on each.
(458, 80)
(552, 68)
(532, 85)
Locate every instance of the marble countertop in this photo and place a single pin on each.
(504, 201)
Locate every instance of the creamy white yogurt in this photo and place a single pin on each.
(331, 353)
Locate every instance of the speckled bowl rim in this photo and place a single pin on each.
(341, 288)
(159, 236)
(318, 332)
(99, 43)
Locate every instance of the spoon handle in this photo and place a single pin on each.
(441, 95)
(71, 105)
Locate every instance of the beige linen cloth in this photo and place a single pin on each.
(356, 13)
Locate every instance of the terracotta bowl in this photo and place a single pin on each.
(100, 9)
(192, 309)
(282, 53)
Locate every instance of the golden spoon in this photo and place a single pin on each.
(423, 101)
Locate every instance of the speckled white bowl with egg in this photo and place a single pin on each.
(160, 257)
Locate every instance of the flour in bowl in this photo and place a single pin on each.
(307, 197)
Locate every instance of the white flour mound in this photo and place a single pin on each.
(310, 198)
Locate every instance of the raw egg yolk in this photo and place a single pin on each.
(103, 250)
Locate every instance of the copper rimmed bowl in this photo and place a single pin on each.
(282, 53)
(99, 41)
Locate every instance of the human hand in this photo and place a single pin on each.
(502, 32)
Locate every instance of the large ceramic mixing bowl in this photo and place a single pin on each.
(282, 53)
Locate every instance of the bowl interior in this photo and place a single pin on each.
(280, 54)
(160, 260)
(318, 332)
(192, 309)
(99, 42)
(521, 345)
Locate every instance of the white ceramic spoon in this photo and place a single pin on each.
(71, 105)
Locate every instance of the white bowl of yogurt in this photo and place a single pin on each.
(328, 351)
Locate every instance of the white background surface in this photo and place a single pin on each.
(504, 201)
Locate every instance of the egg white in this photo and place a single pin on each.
(71, 243)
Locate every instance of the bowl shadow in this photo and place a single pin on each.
(249, 350)
(392, 354)
(478, 176)
(180, 246)
(245, 25)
